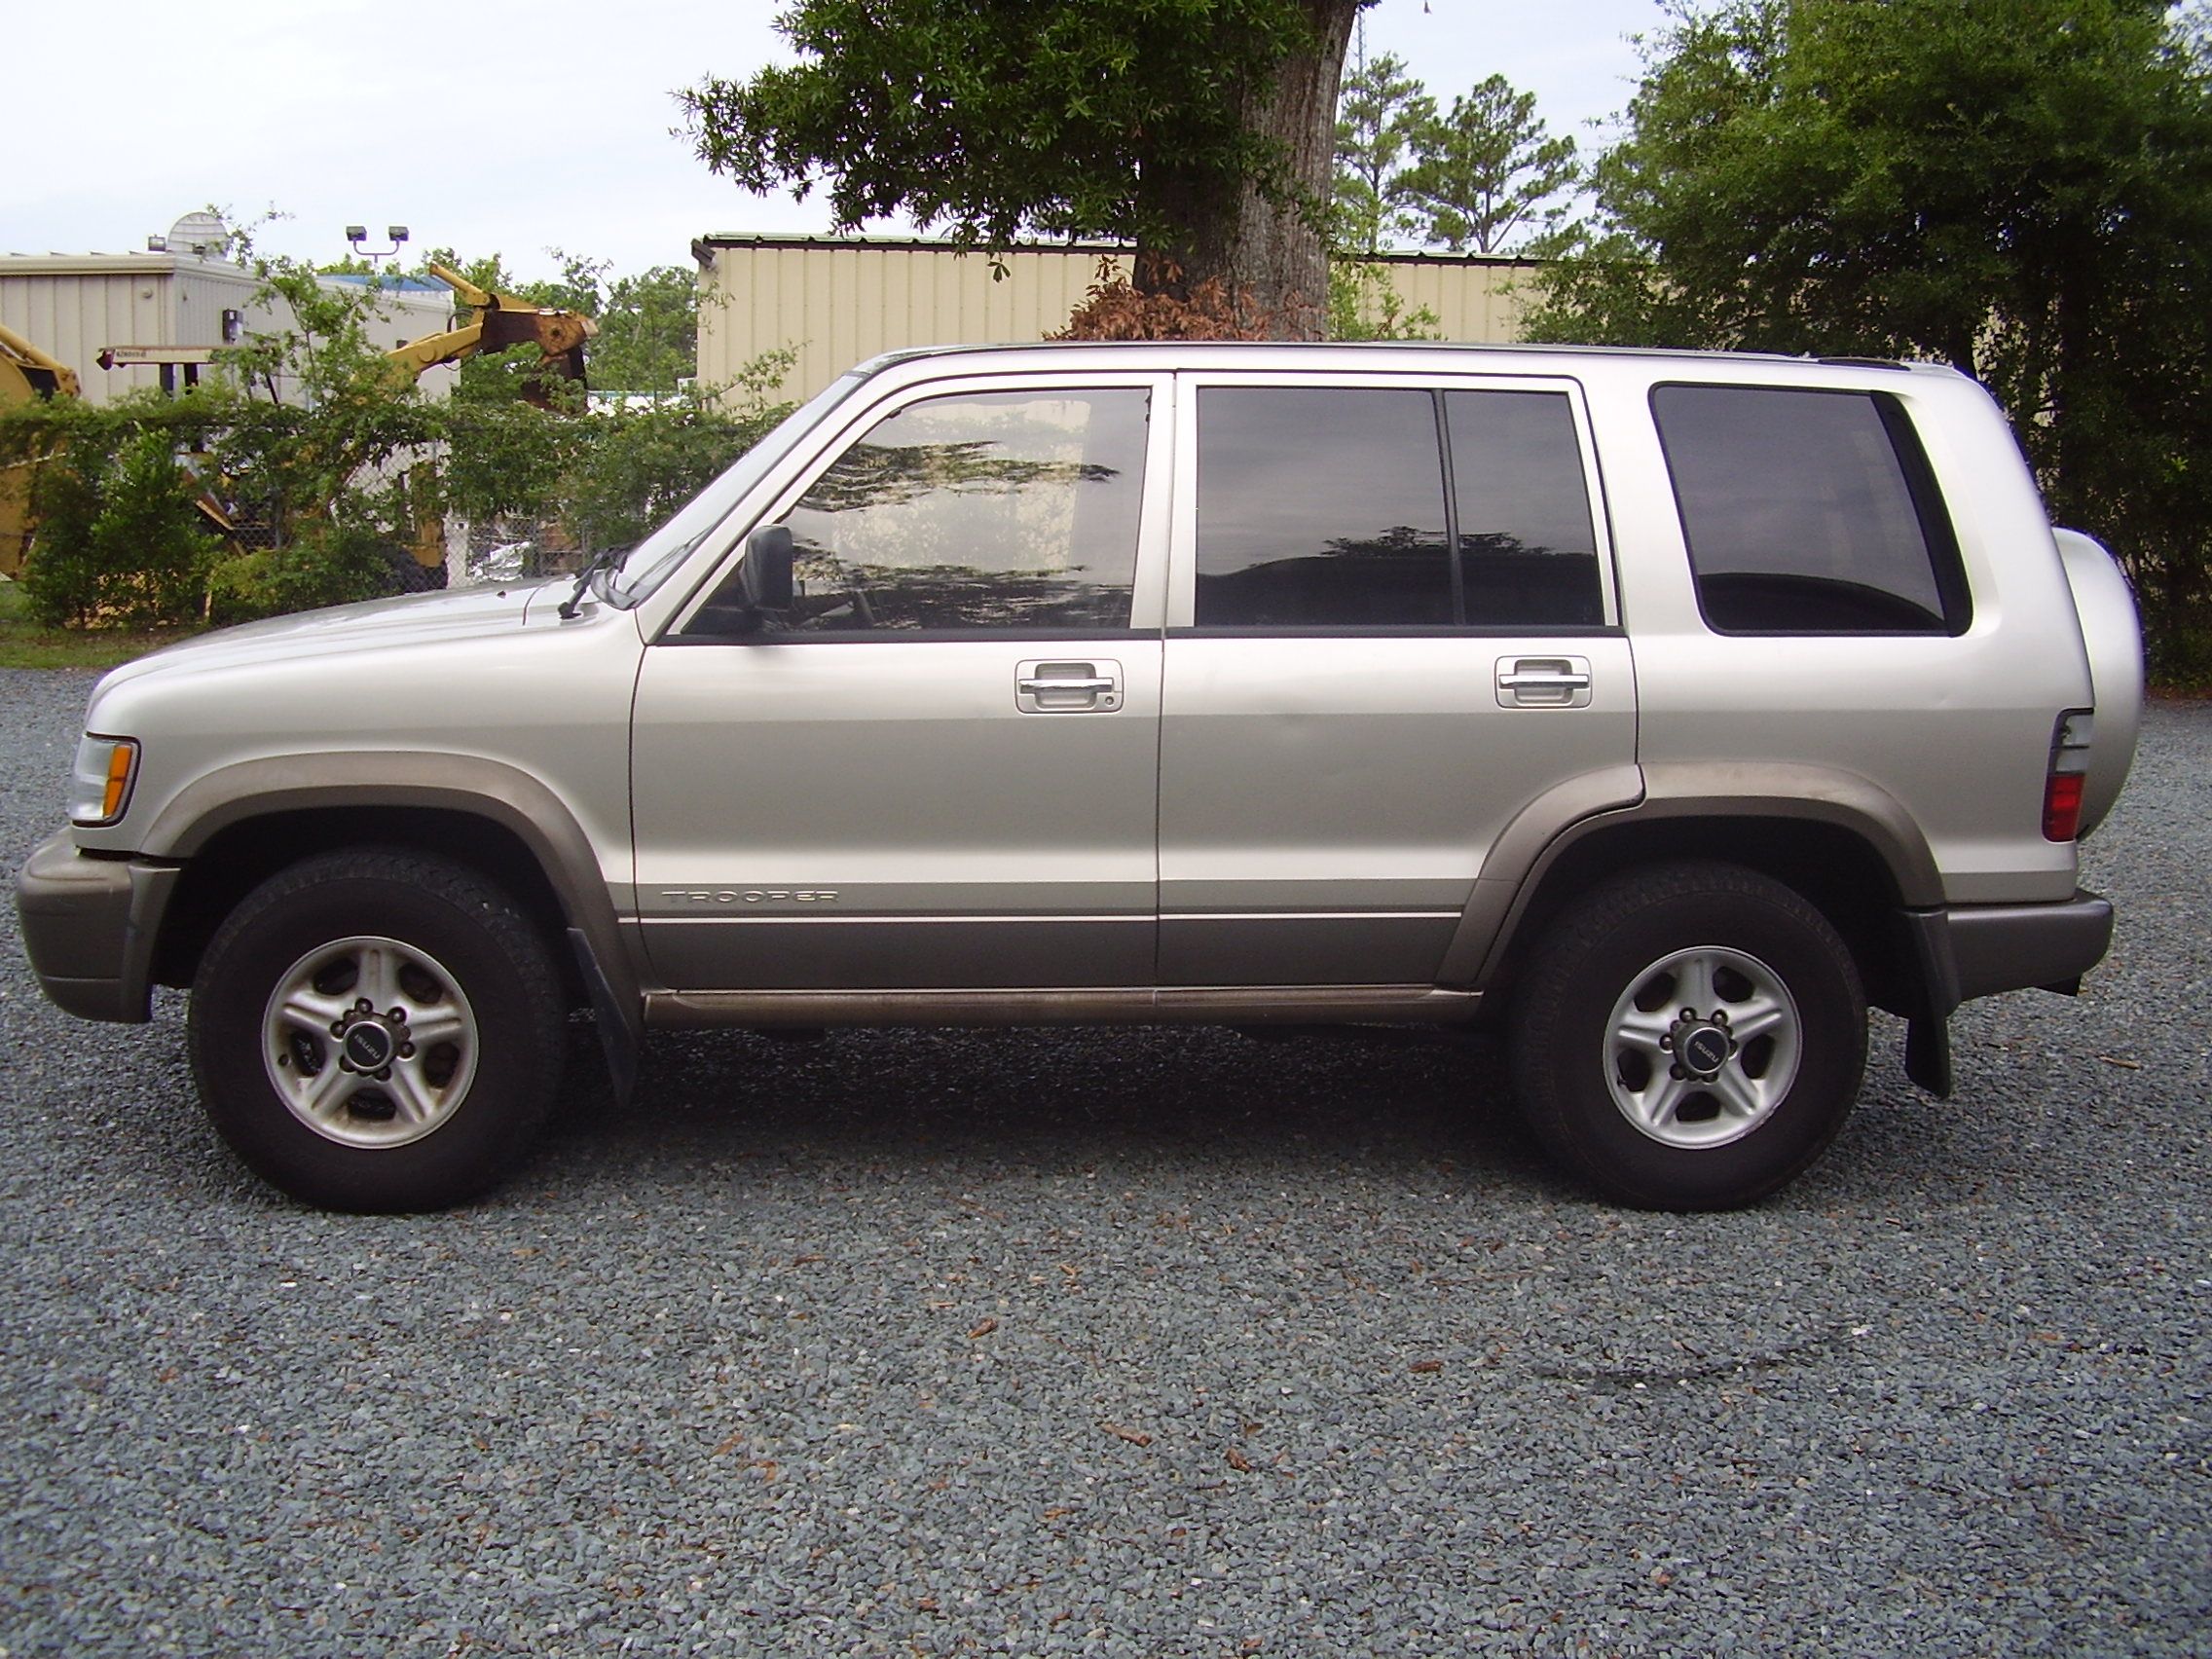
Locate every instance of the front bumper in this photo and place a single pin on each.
(90, 926)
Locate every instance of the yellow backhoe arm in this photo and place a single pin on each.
(502, 320)
(36, 375)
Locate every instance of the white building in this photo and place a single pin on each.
(175, 308)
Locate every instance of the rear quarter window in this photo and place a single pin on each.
(1809, 512)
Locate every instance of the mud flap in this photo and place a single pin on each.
(1934, 994)
(1928, 1054)
(620, 1033)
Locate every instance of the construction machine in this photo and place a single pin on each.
(500, 323)
(26, 375)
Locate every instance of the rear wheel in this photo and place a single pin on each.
(378, 1031)
(1689, 1036)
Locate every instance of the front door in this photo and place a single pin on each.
(940, 769)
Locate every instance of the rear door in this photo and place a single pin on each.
(1392, 627)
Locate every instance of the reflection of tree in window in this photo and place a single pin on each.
(1527, 551)
(1809, 511)
(1393, 577)
(1321, 506)
(1290, 478)
(1008, 510)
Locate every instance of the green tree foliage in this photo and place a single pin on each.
(2022, 188)
(1488, 172)
(648, 331)
(324, 493)
(324, 563)
(1364, 303)
(1200, 130)
(1381, 116)
(119, 540)
(649, 325)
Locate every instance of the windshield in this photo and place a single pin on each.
(653, 559)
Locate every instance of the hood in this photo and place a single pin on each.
(417, 619)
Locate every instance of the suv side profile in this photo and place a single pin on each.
(1665, 710)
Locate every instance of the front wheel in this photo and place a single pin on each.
(377, 1031)
(1689, 1036)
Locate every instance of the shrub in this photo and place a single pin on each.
(120, 538)
(326, 564)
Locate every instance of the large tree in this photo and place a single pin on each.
(2022, 188)
(1201, 129)
(1488, 171)
(1380, 119)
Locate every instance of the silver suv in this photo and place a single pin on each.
(1663, 709)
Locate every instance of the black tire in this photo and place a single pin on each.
(1778, 1098)
(459, 964)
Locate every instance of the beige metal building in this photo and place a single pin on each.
(77, 306)
(842, 299)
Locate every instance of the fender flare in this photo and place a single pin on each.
(492, 790)
(1597, 803)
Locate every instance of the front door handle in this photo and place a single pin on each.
(1067, 687)
(1543, 682)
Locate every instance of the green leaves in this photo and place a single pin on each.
(1487, 171)
(1137, 120)
(321, 499)
(2022, 188)
(1381, 116)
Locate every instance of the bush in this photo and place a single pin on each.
(327, 563)
(2180, 653)
(120, 538)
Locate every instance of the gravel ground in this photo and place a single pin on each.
(1129, 1342)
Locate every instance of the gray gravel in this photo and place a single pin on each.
(1129, 1342)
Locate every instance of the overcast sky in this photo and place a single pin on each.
(524, 128)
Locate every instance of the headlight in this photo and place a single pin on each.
(99, 788)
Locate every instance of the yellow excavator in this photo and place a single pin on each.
(499, 322)
(26, 375)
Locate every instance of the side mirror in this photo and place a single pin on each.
(764, 579)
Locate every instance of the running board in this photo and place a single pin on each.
(1208, 1004)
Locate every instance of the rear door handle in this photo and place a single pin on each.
(1543, 682)
(1047, 687)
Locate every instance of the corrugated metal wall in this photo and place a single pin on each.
(74, 308)
(840, 301)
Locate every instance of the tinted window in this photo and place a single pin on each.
(1808, 512)
(1528, 553)
(1011, 510)
(1321, 506)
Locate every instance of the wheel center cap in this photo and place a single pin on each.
(369, 1045)
(1704, 1050)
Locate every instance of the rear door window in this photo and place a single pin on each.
(1321, 507)
(1527, 548)
(1363, 507)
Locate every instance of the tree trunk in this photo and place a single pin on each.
(1261, 239)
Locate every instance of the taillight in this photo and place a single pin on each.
(2069, 771)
